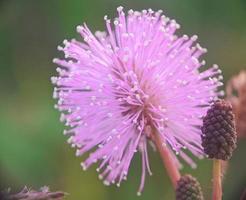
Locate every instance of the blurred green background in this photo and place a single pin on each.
(33, 150)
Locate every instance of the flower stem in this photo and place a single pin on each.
(217, 188)
(168, 161)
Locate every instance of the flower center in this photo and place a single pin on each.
(134, 92)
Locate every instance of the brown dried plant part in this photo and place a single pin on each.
(236, 94)
(29, 194)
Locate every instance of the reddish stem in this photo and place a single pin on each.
(167, 159)
(217, 188)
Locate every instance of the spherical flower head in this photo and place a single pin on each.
(118, 86)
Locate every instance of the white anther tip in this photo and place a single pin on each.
(185, 37)
(215, 66)
(59, 48)
(106, 183)
(77, 153)
(80, 28)
(53, 80)
(65, 42)
(100, 176)
(138, 193)
(55, 60)
(120, 8)
(83, 166)
(194, 37)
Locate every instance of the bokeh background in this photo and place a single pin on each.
(33, 150)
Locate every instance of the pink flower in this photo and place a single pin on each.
(115, 88)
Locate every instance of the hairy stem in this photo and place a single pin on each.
(167, 159)
(217, 188)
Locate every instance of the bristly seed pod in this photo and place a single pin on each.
(188, 188)
(219, 134)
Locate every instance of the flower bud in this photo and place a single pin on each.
(219, 134)
(188, 188)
